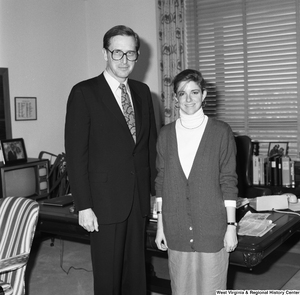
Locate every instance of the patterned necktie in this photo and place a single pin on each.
(128, 110)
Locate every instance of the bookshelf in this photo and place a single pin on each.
(276, 171)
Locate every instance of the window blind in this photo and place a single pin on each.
(247, 50)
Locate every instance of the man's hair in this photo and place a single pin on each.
(123, 31)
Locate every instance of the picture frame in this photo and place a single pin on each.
(13, 151)
(277, 149)
(25, 108)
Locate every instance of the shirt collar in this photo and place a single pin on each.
(112, 82)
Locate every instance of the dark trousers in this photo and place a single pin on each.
(118, 256)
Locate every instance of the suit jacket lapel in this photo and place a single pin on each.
(105, 94)
(108, 98)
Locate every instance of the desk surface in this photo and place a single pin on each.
(58, 214)
(249, 252)
(252, 250)
(60, 221)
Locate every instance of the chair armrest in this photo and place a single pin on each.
(256, 191)
(14, 262)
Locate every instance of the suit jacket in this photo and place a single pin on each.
(105, 165)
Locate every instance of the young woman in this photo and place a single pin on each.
(196, 190)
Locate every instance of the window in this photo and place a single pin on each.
(247, 50)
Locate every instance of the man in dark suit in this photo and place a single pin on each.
(112, 170)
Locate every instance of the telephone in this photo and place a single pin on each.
(291, 198)
(273, 202)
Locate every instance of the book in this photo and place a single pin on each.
(274, 172)
(286, 171)
(292, 173)
(261, 170)
(268, 172)
(297, 172)
(279, 170)
(59, 201)
(255, 169)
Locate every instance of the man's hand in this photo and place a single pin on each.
(88, 220)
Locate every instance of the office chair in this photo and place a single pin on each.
(18, 219)
(244, 169)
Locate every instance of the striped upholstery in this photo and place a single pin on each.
(18, 219)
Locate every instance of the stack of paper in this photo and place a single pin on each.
(255, 224)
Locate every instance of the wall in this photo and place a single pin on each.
(48, 46)
(141, 16)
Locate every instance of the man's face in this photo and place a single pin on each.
(120, 69)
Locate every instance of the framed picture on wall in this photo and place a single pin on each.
(13, 151)
(25, 108)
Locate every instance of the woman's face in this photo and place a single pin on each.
(190, 97)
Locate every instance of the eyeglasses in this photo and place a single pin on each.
(118, 55)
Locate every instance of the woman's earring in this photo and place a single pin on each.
(203, 104)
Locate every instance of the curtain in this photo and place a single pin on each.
(171, 36)
(248, 50)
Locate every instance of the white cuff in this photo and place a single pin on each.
(230, 203)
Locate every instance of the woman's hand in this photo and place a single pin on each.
(230, 239)
(160, 240)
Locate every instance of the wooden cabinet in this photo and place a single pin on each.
(5, 116)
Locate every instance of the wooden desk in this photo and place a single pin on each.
(59, 221)
(249, 252)
(252, 250)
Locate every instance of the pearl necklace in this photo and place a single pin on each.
(192, 127)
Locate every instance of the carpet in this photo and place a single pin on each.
(64, 268)
(279, 270)
(272, 274)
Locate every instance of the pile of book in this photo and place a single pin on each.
(275, 171)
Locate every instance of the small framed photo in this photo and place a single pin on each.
(13, 151)
(277, 149)
(25, 108)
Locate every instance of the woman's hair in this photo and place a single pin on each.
(188, 76)
(123, 31)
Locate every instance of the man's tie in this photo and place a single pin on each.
(128, 110)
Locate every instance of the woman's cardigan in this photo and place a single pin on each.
(194, 214)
